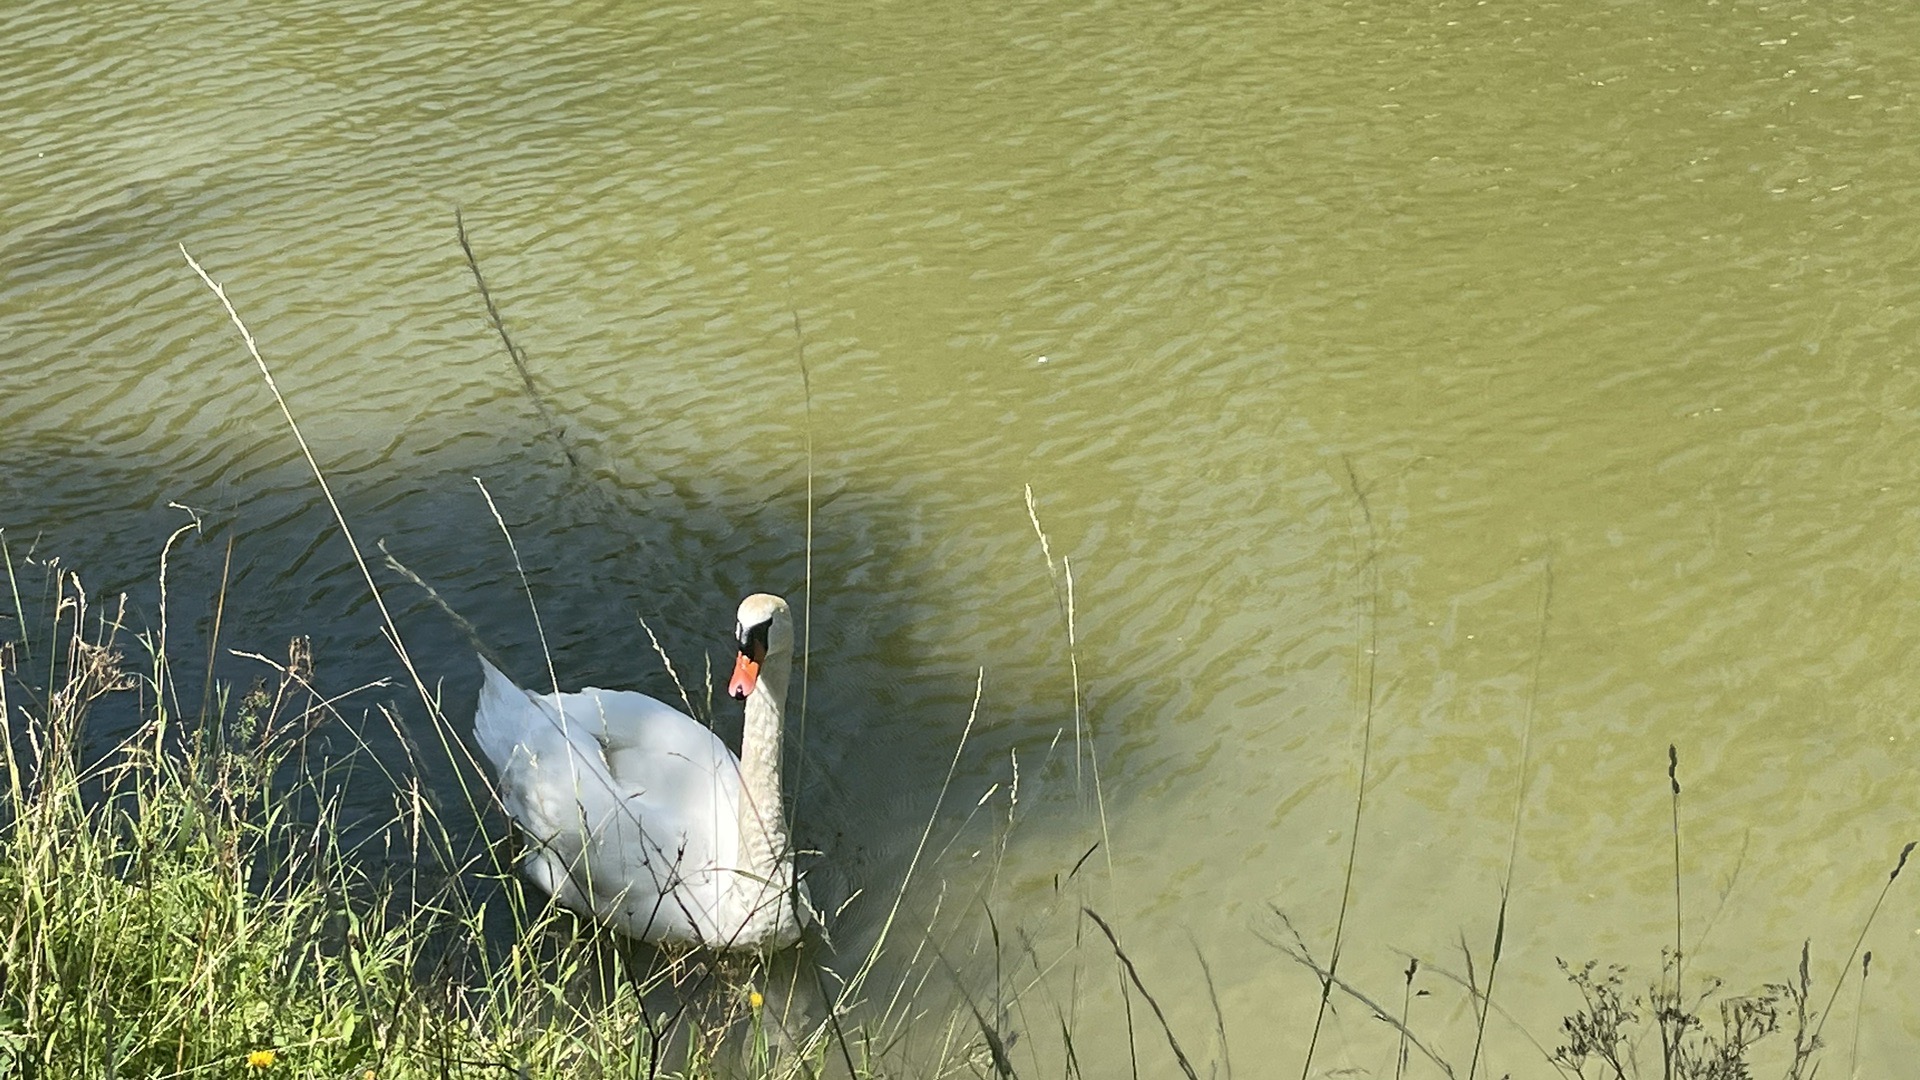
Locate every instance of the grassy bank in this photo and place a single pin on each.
(183, 899)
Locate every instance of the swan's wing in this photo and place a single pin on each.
(632, 805)
(636, 732)
(672, 772)
(644, 745)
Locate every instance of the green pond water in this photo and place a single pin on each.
(1543, 372)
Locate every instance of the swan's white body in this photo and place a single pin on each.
(638, 816)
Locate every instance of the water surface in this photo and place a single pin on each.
(1325, 338)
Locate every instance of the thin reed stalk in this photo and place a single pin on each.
(1369, 682)
(1859, 1011)
(1133, 976)
(1060, 576)
(1861, 938)
(1483, 1001)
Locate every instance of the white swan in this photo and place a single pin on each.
(640, 817)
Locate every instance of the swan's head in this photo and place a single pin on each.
(764, 628)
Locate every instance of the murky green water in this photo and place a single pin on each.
(1629, 291)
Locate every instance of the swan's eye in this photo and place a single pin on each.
(753, 641)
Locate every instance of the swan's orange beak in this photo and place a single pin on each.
(746, 672)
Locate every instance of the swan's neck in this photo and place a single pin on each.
(763, 822)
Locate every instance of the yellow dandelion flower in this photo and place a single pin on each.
(261, 1059)
(754, 999)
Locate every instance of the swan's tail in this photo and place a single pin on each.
(500, 718)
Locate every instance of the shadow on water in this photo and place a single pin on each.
(604, 540)
(602, 549)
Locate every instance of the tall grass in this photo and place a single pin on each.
(181, 900)
(1710, 1034)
